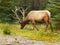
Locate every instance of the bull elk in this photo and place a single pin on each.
(37, 16)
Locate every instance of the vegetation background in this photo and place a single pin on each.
(7, 16)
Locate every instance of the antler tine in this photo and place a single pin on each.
(12, 11)
(20, 9)
(15, 12)
(16, 8)
(26, 9)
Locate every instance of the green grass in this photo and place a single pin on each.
(32, 34)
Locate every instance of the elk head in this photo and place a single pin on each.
(22, 11)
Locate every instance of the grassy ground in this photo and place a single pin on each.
(32, 34)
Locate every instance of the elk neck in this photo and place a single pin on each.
(25, 21)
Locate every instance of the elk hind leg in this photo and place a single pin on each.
(46, 26)
(51, 26)
(47, 23)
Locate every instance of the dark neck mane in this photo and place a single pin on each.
(25, 21)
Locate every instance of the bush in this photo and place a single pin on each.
(7, 31)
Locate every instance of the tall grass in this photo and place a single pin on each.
(32, 34)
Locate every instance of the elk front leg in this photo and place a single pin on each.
(34, 26)
(46, 26)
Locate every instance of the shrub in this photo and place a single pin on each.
(7, 31)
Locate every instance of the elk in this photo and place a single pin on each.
(37, 16)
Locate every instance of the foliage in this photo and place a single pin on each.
(6, 30)
(6, 15)
(6, 18)
(5, 11)
(7, 5)
(54, 7)
(32, 34)
(39, 35)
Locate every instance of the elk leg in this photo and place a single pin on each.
(34, 26)
(51, 26)
(46, 26)
(47, 23)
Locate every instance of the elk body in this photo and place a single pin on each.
(34, 16)
(37, 16)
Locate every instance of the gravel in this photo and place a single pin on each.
(20, 40)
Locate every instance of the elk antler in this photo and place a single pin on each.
(22, 10)
(15, 12)
(26, 9)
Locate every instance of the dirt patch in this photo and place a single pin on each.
(20, 40)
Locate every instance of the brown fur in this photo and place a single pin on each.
(37, 16)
